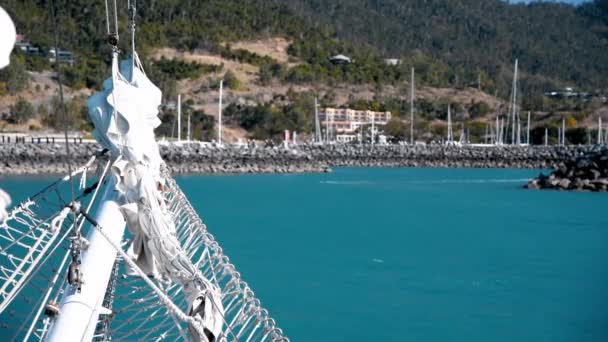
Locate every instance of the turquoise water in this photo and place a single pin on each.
(411, 254)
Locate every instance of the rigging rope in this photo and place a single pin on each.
(76, 233)
(161, 295)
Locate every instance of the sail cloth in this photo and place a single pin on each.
(7, 38)
(124, 115)
(5, 201)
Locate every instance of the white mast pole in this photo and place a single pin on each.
(317, 125)
(326, 126)
(179, 117)
(518, 131)
(559, 136)
(528, 130)
(412, 109)
(564, 131)
(373, 127)
(450, 137)
(513, 105)
(80, 310)
(219, 115)
(496, 136)
(599, 130)
(546, 136)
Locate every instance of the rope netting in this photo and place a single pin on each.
(139, 314)
(34, 253)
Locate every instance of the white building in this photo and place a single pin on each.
(347, 121)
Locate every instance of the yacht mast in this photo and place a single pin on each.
(412, 108)
(373, 127)
(528, 130)
(179, 117)
(317, 124)
(546, 136)
(496, 136)
(219, 116)
(599, 130)
(450, 134)
(514, 103)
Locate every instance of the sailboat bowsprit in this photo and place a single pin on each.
(126, 257)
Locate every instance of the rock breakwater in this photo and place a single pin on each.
(588, 172)
(31, 158)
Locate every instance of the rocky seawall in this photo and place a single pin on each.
(43, 158)
(584, 173)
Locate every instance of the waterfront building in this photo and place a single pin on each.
(347, 121)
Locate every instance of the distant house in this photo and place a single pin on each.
(28, 48)
(340, 59)
(63, 56)
(392, 61)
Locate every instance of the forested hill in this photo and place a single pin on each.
(450, 42)
(552, 40)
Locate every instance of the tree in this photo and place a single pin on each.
(396, 129)
(14, 78)
(21, 112)
(231, 81)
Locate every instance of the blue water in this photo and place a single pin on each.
(411, 254)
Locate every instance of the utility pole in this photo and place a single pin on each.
(412, 109)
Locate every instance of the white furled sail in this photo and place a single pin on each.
(127, 110)
(7, 39)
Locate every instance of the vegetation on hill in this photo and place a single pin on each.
(450, 43)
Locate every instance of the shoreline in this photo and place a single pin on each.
(195, 159)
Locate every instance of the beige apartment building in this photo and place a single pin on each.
(344, 120)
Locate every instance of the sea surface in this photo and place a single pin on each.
(410, 254)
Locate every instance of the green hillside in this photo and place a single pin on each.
(451, 42)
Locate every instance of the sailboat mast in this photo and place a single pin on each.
(599, 130)
(412, 90)
(496, 137)
(513, 104)
(317, 124)
(449, 125)
(219, 114)
(528, 130)
(373, 127)
(179, 117)
(546, 136)
(326, 126)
